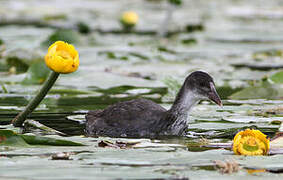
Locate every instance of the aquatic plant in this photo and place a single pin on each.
(251, 142)
(129, 19)
(61, 58)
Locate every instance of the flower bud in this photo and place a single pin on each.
(129, 19)
(62, 58)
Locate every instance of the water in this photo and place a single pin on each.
(117, 67)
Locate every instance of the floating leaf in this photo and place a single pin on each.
(37, 73)
(55, 17)
(277, 78)
(39, 140)
(69, 91)
(265, 90)
(83, 27)
(261, 55)
(189, 41)
(68, 36)
(22, 59)
(176, 2)
(167, 50)
(10, 138)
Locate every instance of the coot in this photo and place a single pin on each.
(144, 118)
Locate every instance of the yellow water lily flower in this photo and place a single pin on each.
(251, 142)
(129, 18)
(252, 171)
(62, 57)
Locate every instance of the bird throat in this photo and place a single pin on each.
(178, 115)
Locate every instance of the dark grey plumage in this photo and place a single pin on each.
(148, 112)
(144, 118)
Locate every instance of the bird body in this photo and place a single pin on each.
(145, 118)
(148, 112)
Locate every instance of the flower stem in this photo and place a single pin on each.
(21, 117)
(163, 31)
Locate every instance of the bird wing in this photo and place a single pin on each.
(133, 114)
(124, 116)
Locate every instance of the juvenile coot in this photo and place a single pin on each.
(144, 118)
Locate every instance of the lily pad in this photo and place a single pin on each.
(37, 73)
(68, 36)
(83, 27)
(55, 17)
(21, 59)
(10, 138)
(175, 2)
(38, 140)
(265, 90)
(277, 78)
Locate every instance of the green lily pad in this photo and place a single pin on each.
(260, 55)
(176, 2)
(38, 140)
(10, 138)
(83, 27)
(21, 59)
(277, 77)
(37, 73)
(68, 36)
(265, 90)
(55, 17)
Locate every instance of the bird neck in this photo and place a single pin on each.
(178, 114)
(184, 101)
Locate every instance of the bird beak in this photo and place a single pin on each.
(213, 95)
